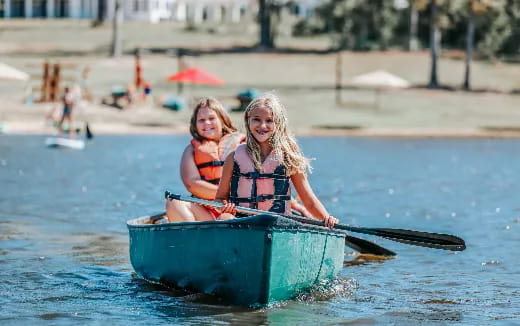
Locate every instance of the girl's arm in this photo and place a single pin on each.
(225, 181)
(310, 201)
(229, 210)
(296, 206)
(191, 178)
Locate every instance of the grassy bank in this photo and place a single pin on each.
(304, 80)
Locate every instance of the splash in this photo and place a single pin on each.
(328, 289)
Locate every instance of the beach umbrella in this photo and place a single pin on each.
(195, 76)
(9, 73)
(379, 80)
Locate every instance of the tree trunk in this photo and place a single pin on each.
(435, 37)
(264, 18)
(470, 39)
(339, 69)
(116, 48)
(413, 41)
(101, 10)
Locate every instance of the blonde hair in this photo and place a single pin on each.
(284, 145)
(215, 105)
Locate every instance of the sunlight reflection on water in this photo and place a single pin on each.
(64, 243)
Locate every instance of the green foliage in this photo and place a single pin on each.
(511, 45)
(377, 25)
(354, 24)
(498, 30)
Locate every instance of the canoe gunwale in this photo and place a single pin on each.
(267, 222)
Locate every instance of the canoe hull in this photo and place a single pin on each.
(249, 261)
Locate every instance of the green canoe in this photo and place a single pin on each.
(248, 261)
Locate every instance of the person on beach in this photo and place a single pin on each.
(68, 106)
(214, 137)
(86, 94)
(258, 174)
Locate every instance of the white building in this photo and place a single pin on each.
(48, 8)
(143, 10)
(153, 11)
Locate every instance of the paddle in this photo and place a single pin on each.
(416, 238)
(366, 247)
(360, 245)
(88, 133)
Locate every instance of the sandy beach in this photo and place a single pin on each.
(303, 80)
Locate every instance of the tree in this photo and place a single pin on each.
(116, 49)
(264, 18)
(359, 24)
(413, 41)
(435, 40)
(415, 7)
(102, 5)
(499, 28)
(475, 8)
(101, 12)
(511, 44)
(470, 39)
(269, 17)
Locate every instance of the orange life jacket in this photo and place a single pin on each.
(268, 190)
(209, 155)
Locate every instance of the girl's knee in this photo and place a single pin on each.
(171, 208)
(172, 204)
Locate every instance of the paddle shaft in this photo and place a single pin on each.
(360, 245)
(417, 238)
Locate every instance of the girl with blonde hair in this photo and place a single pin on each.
(258, 174)
(214, 137)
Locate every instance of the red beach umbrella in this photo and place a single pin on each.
(195, 76)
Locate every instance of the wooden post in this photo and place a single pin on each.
(45, 83)
(339, 65)
(55, 84)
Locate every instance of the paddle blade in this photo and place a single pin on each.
(424, 239)
(366, 247)
(416, 238)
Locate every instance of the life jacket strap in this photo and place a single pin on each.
(257, 175)
(212, 181)
(211, 163)
(258, 198)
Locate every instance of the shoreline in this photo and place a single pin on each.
(39, 128)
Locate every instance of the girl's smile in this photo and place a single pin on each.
(209, 125)
(261, 124)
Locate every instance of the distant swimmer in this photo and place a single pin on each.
(68, 106)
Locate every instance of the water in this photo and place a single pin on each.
(64, 243)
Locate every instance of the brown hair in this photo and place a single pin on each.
(215, 105)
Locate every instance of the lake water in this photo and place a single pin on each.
(64, 243)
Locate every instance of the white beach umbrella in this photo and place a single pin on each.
(10, 73)
(379, 80)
